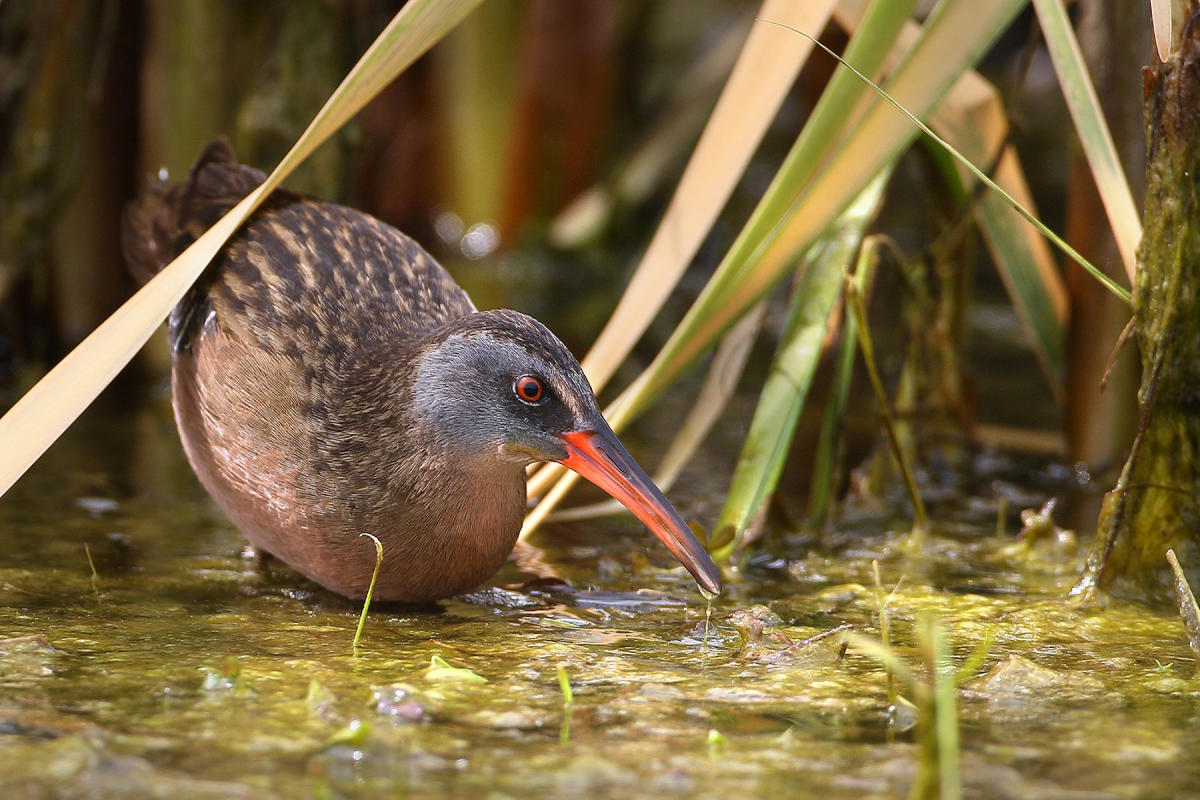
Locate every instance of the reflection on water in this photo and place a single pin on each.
(178, 668)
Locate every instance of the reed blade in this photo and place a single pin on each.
(973, 120)
(1094, 136)
(952, 39)
(45, 411)
(782, 399)
(825, 461)
(764, 72)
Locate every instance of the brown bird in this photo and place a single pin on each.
(330, 379)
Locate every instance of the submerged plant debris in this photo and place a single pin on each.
(192, 673)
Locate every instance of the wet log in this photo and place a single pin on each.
(1154, 506)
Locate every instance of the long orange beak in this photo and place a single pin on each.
(601, 458)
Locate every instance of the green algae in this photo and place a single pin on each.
(106, 695)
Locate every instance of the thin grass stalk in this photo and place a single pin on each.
(885, 628)
(1094, 136)
(938, 775)
(774, 424)
(747, 104)
(866, 48)
(765, 449)
(855, 304)
(945, 710)
(949, 40)
(45, 411)
(362, 618)
(973, 120)
(1027, 270)
(1058, 241)
(820, 495)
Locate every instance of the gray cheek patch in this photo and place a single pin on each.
(455, 391)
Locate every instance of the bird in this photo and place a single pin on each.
(329, 378)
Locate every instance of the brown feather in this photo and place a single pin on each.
(291, 354)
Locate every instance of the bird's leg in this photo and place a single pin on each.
(262, 560)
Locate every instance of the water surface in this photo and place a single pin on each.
(179, 669)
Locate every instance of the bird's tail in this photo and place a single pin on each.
(167, 217)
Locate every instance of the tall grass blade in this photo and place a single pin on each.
(820, 495)
(945, 686)
(1093, 131)
(760, 79)
(40, 417)
(876, 30)
(952, 39)
(894, 97)
(782, 399)
(866, 51)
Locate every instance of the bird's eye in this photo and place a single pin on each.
(529, 389)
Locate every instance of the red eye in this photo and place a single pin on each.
(528, 388)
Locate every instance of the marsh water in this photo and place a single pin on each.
(145, 655)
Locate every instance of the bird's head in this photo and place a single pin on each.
(500, 385)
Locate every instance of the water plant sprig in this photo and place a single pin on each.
(362, 618)
(564, 685)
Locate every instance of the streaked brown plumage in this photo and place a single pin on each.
(330, 379)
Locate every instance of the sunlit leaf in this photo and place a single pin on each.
(440, 671)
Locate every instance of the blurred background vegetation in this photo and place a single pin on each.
(533, 152)
(473, 151)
